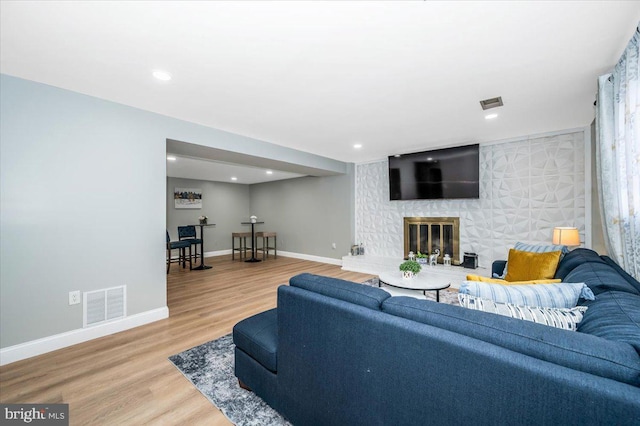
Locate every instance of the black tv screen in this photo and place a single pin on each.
(437, 174)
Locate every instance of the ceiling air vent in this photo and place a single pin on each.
(491, 103)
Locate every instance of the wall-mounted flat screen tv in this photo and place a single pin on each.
(437, 174)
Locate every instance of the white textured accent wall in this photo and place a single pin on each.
(527, 187)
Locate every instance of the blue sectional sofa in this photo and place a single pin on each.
(340, 353)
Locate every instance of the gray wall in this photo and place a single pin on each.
(82, 184)
(308, 213)
(82, 188)
(225, 204)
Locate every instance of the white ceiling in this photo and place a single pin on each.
(321, 76)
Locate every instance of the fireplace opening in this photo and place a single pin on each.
(428, 234)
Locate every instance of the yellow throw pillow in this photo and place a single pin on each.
(526, 266)
(480, 278)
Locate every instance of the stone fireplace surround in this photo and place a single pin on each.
(527, 187)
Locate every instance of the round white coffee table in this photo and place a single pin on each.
(422, 282)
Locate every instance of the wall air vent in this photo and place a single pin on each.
(104, 305)
(491, 103)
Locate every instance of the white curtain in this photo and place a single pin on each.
(618, 158)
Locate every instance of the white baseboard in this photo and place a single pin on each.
(207, 254)
(217, 253)
(73, 337)
(311, 257)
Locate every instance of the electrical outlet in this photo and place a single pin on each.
(333, 246)
(74, 297)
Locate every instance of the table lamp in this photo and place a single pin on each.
(567, 236)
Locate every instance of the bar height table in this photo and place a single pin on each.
(253, 241)
(202, 266)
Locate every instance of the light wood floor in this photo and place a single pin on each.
(126, 378)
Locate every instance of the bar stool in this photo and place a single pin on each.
(188, 233)
(265, 246)
(242, 244)
(182, 254)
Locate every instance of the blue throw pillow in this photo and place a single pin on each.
(560, 295)
(534, 248)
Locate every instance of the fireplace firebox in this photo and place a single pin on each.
(426, 234)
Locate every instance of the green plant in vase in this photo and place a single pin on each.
(409, 268)
(421, 258)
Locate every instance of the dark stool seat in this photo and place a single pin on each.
(258, 337)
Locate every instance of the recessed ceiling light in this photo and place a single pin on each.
(490, 116)
(162, 75)
(358, 146)
(269, 172)
(171, 158)
(234, 178)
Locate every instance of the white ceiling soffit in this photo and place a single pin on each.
(195, 168)
(213, 164)
(219, 155)
(320, 77)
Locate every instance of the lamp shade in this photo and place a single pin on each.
(566, 236)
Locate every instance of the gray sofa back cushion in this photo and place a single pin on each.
(614, 315)
(574, 259)
(348, 291)
(582, 352)
(622, 272)
(600, 277)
